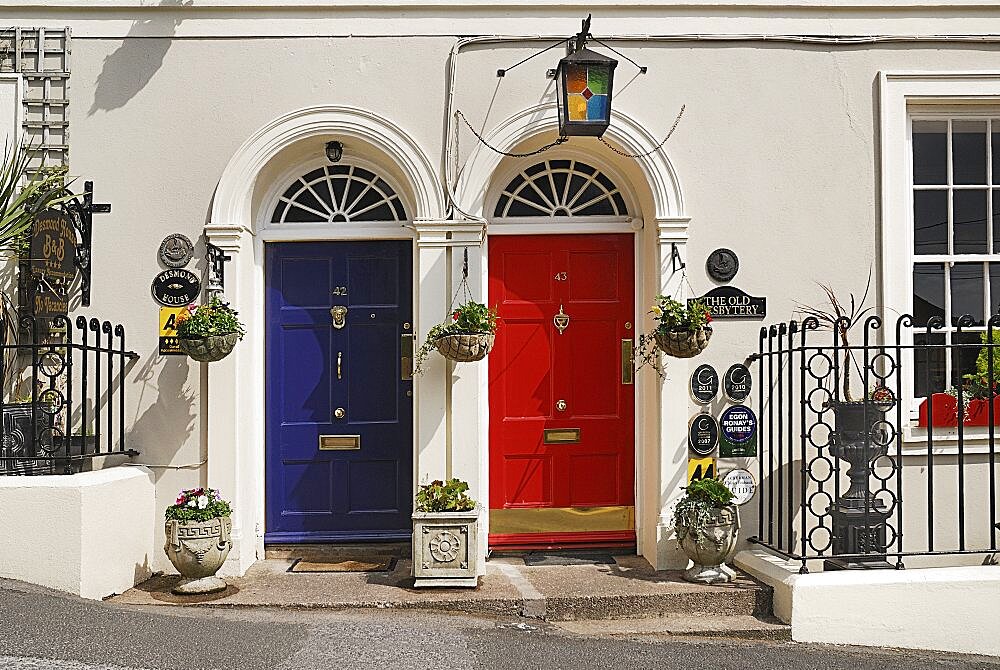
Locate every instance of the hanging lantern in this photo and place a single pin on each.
(585, 80)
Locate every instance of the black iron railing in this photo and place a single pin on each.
(870, 474)
(63, 395)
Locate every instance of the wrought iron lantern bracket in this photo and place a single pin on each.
(216, 258)
(82, 209)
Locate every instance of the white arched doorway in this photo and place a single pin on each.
(264, 196)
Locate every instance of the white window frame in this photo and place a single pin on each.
(903, 96)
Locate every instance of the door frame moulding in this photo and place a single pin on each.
(235, 413)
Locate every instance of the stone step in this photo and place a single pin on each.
(740, 626)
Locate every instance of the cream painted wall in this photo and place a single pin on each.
(777, 154)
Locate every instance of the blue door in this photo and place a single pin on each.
(339, 397)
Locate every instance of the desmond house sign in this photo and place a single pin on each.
(729, 302)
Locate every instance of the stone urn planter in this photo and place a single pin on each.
(208, 349)
(199, 537)
(716, 544)
(445, 536)
(707, 526)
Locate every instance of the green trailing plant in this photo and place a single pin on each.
(201, 504)
(205, 320)
(669, 315)
(441, 496)
(699, 507)
(470, 318)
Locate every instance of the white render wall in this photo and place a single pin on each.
(90, 534)
(777, 155)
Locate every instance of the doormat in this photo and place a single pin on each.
(368, 564)
(546, 558)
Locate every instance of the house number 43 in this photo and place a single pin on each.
(560, 276)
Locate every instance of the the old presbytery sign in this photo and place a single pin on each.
(729, 302)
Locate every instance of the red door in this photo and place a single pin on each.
(562, 426)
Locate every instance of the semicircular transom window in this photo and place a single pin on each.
(338, 194)
(557, 188)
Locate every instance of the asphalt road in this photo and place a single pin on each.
(42, 629)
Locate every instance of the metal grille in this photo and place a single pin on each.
(41, 56)
(338, 193)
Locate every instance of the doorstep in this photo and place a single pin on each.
(626, 588)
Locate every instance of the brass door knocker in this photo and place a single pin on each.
(561, 320)
(339, 314)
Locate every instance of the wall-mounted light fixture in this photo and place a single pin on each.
(334, 151)
(584, 81)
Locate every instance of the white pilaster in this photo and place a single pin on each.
(672, 235)
(235, 470)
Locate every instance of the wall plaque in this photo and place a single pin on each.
(737, 383)
(703, 434)
(738, 428)
(169, 345)
(729, 302)
(701, 468)
(742, 484)
(176, 251)
(705, 383)
(722, 264)
(176, 288)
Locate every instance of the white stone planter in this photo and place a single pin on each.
(198, 549)
(710, 555)
(446, 548)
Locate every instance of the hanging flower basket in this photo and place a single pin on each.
(683, 343)
(465, 347)
(208, 349)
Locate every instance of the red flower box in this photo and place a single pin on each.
(945, 412)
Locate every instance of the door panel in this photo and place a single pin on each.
(561, 492)
(330, 478)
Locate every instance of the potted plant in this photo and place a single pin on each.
(467, 337)
(208, 332)
(707, 525)
(445, 535)
(976, 394)
(198, 539)
(682, 331)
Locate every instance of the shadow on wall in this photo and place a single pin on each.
(170, 420)
(132, 65)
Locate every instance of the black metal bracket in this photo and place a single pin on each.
(82, 209)
(675, 257)
(216, 267)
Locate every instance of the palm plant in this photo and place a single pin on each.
(22, 198)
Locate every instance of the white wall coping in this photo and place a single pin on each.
(947, 609)
(76, 480)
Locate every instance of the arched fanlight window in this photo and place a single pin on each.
(561, 188)
(338, 194)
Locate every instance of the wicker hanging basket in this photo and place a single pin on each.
(208, 349)
(683, 343)
(465, 348)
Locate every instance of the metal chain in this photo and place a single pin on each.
(654, 149)
(479, 137)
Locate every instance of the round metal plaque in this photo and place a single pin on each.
(176, 251)
(722, 264)
(703, 434)
(742, 484)
(737, 383)
(705, 383)
(176, 288)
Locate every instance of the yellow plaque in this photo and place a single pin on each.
(701, 468)
(168, 330)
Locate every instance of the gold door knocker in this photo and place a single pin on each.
(339, 314)
(561, 320)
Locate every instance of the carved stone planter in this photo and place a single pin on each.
(198, 549)
(446, 548)
(709, 556)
